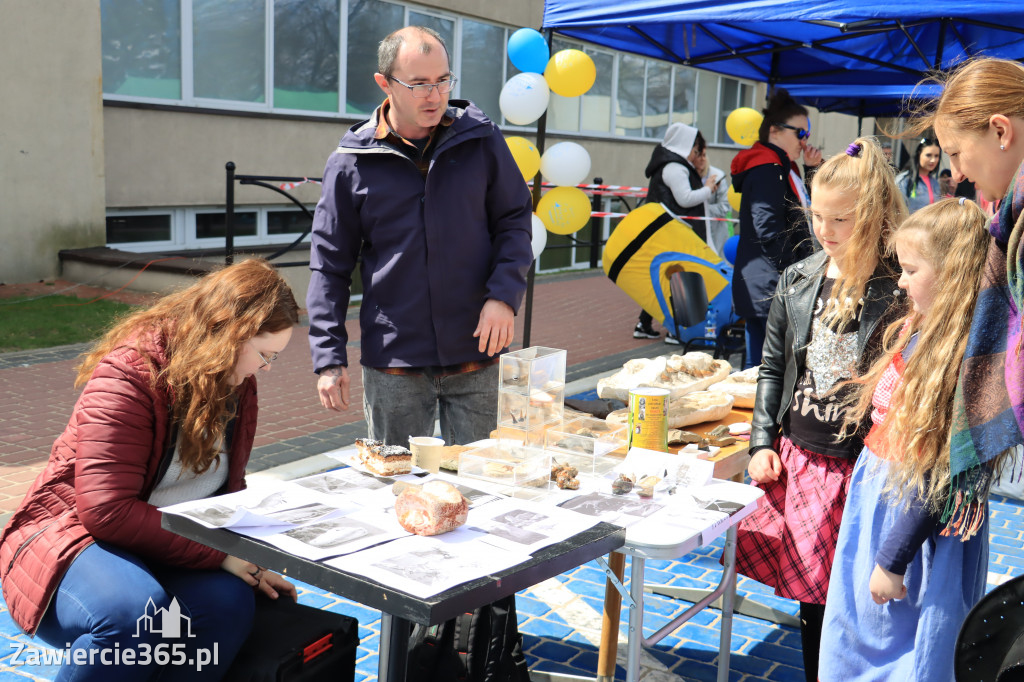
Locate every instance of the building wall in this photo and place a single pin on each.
(176, 158)
(67, 158)
(51, 134)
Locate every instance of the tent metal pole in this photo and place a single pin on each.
(542, 125)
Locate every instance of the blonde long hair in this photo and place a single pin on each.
(953, 239)
(879, 208)
(202, 329)
(973, 93)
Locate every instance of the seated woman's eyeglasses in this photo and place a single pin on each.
(266, 359)
(423, 90)
(801, 134)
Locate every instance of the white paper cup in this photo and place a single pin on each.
(426, 452)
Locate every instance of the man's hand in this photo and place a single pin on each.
(711, 182)
(765, 466)
(496, 328)
(886, 586)
(333, 388)
(812, 156)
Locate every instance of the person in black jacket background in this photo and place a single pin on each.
(773, 225)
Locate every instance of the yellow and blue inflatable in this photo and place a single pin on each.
(647, 246)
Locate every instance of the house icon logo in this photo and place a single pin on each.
(165, 622)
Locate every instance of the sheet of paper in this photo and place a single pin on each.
(621, 510)
(424, 566)
(676, 470)
(273, 505)
(339, 535)
(525, 527)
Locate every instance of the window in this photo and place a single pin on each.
(563, 112)
(597, 102)
(124, 229)
(630, 101)
(368, 22)
(228, 49)
(211, 225)
(657, 99)
(444, 27)
(306, 54)
(319, 57)
(480, 75)
(287, 222)
(684, 95)
(732, 94)
(141, 48)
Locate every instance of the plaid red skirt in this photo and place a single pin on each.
(789, 542)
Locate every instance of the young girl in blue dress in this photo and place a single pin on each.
(903, 581)
(824, 326)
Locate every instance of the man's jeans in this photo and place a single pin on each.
(400, 406)
(101, 603)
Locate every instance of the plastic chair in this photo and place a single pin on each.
(688, 297)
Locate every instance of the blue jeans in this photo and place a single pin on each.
(755, 327)
(102, 604)
(399, 406)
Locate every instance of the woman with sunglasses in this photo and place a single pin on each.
(167, 414)
(774, 233)
(920, 185)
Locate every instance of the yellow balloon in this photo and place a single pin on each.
(564, 210)
(743, 125)
(526, 155)
(734, 199)
(570, 73)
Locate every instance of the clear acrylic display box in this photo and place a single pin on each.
(531, 393)
(507, 463)
(588, 444)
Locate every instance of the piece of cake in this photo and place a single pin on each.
(387, 460)
(436, 507)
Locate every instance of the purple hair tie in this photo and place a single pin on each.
(853, 149)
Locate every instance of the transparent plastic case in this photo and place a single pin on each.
(508, 463)
(531, 393)
(591, 445)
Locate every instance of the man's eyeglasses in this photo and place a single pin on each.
(801, 134)
(423, 90)
(267, 360)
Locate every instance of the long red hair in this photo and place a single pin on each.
(202, 329)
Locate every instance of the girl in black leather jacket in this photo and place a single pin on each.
(824, 324)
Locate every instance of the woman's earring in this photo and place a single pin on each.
(1002, 147)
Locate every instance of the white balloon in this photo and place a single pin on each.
(540, 236)
(565, 164)
(524, 98)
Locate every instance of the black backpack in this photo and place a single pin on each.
(480, 646)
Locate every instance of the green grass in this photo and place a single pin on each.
(26, 324)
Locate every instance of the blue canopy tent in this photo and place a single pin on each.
(865, 56)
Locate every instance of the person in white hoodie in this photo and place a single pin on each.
(677, 185)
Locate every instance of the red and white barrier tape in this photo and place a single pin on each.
(292, 185)
(603, 214)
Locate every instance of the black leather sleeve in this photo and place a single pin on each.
(764, 426)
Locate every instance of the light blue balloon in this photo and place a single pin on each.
(528, 50)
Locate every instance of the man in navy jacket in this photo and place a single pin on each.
(428, 193)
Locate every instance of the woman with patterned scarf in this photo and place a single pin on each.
(979, 121)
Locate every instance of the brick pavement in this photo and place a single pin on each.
(583, 313)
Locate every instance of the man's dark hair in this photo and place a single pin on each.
(387, 51)
(699, 143)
